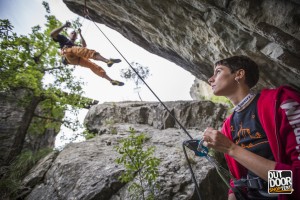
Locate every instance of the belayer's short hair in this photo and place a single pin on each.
(235, 63)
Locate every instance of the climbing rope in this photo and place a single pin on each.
(196, 145)
(181, 126)
(200, 150)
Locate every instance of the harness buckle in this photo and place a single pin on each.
(254, 183)
(250, 182)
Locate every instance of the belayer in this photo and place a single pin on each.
(262, 133)
(80, 55)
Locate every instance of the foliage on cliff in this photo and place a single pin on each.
(32, 62)
(140, 164)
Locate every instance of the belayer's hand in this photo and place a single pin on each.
(216, 140)
(79, 30)
(67, 24)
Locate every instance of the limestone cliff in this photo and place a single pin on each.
(17, 111)
(195, 33)
(88, 170)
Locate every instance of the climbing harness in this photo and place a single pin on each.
(195, 145)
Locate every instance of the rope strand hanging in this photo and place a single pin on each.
(181, 126)
(220, 170)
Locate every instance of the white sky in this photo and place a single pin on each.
(169, 81)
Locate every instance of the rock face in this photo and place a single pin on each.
(192, 114)
(196, 33)
(11, 117)
(88, 170)
(193, 34)
(16, 109)
(200, 90)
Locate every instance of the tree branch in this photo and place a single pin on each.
(38, 57)
(52, 119)
(49, 69)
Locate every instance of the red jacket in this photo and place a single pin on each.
(279, 114)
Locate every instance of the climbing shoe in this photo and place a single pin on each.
(118, 83)
(112, 61)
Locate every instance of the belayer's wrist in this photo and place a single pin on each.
(232, 151)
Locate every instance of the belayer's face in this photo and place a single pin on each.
(223, 81)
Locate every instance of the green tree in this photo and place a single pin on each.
(139, 163)
(32, 72)
(32, 63)
(130, 74)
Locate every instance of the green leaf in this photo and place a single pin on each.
(138, 161)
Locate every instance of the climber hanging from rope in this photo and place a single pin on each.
(80, 55)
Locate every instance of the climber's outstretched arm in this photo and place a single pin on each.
(56, 31)
(83, 43)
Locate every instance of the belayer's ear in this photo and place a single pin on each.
(240, 73)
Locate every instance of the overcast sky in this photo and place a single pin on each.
(169, 81)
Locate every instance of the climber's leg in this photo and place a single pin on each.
(98, 70)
